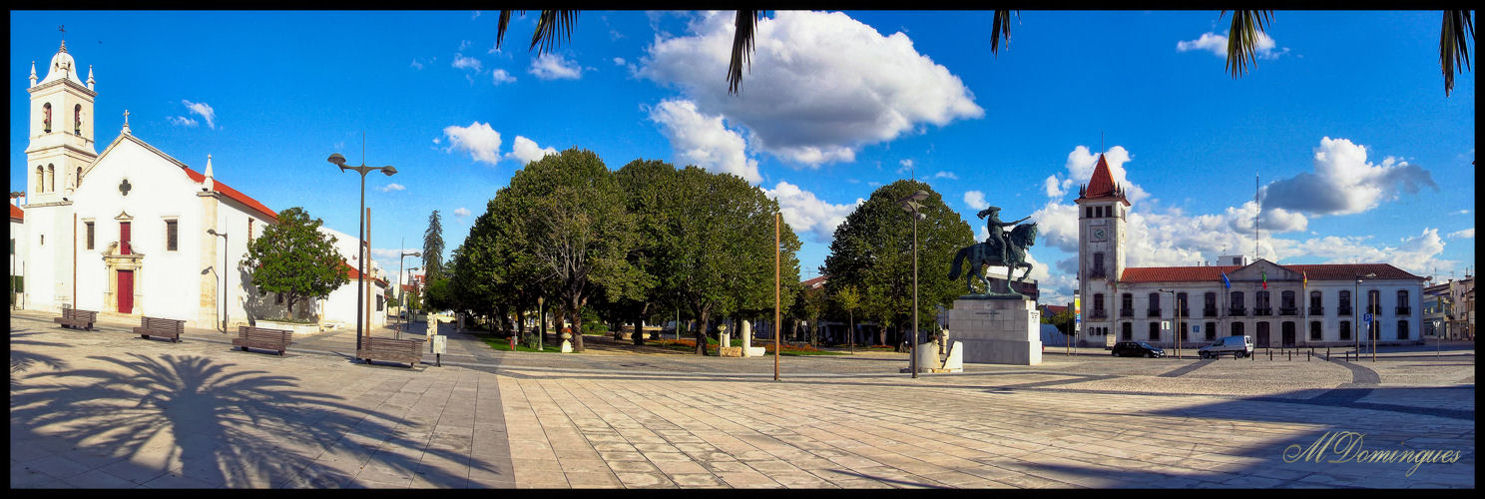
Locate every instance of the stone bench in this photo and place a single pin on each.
(77, 318)
(391, 350)
(164, 328)
(264, 338)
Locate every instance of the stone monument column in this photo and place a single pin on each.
(997, 330)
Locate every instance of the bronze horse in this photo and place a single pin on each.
(981, 254)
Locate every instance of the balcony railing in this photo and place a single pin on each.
(1237, 311)
(1288, 310)
(1317, 310)
(1263, 311)
(1154, 312)
(1098, 314)
(1404, 310)
(1126, 312)
(1097, 274)
(1209, 312)
(1343, 311)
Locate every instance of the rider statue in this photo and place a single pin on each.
(997, 229)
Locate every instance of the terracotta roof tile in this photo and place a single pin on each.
(16, 213)
(228, 191)
(1102, 184)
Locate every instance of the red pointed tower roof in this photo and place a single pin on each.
(1102, 185)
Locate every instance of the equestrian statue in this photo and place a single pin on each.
(1007, 250)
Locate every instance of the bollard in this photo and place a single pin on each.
(1290, 352)
(1270, 354)
(1308, 354)
(1327, 353)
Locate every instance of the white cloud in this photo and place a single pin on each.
(947, 175)
(393, 187)
(181, 121)
(806, 213)
(463, 44)
(525, 150)
(976, 200)
(461, 212)
(1344, 182)
(907, 166)
(1462, 212)
(1417, 254)
(1080, 164)
(462, 62)
(704, 140)
(1217, 45)
(502, 77)
(478, 139)
(1051, 185)
(416, 64)
(821, 85)
(619, 61)
(554, 66)
(203, 110)
(1463, 234)
(391, 253)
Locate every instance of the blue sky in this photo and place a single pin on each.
(1344, 118)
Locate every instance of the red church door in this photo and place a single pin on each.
(126, 291)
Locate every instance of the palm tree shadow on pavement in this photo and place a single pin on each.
(225, 427)
(22, 359)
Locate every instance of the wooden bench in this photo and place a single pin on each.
(165, 328)
(77, 318)
(264, 338)
(391, 350)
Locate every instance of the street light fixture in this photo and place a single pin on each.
(400, 293)
(1175, 331)
(408, 314)
(338, 160)
(912, 205)
(1356, 300)
(224, 275)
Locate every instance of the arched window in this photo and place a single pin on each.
(1317, 305)
(1403, 307)
(46, 118)
(1343, 302)
(1154, 308)
(40, 179)
(77, 119)
(1287, 306)
(51, 178)
(1237, 303)
(78, 180)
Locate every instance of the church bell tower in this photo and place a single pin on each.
(61, 131)
(1102, 212)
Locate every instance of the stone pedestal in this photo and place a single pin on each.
(748, 350)
(566, 342)
(997, 330)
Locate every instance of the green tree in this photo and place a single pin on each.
(294, 258)
(433, 248)
(849, 300)
(1063, 320)
(873, 251)
(577, 231)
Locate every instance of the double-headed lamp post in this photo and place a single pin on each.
(1175, 307)
(1356, 299)
(912, 205)
(400, 292)
(389, 170)
(408, 314)
(223, 273)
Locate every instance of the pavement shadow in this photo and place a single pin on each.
(216, 418)
(23, 359)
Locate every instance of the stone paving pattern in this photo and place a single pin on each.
(108, 409)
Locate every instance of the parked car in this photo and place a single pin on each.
(1237, 346)
(1136, 349)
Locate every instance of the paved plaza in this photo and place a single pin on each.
(108, 409)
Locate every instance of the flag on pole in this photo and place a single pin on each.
(1264, 274)
(1226, 284)
(1306, 282)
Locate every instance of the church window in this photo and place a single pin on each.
(46, 118)
(78, 180)
(40, 179)
(250, 230)
(51, 178)
(88, 226)
(43, 240)
(170, 235)
(77, 113)
(1097, 265)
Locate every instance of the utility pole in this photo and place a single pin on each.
(776, 288)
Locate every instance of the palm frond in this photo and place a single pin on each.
(1000, 29)
(500, 31)
(1242, 39)
(1454, 48)
(553, 28)
(742, 47)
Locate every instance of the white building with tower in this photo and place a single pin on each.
(1278, 305)
(127, 232)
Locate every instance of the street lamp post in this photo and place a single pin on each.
(400, 292)
(389, 170)
(407, 314)
(1356, 301)
(912, 205)
(1175, 331)
(224, 275)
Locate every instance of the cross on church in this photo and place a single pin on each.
(126, 117)
(124, 187)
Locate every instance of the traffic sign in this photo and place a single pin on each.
(1196, 328)
(1366, 317)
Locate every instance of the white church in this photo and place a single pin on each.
(1277, 305)
(134, 232)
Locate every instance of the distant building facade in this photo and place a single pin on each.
(1277, 305)
(1449, 309)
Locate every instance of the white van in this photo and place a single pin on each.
(1237, 346)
